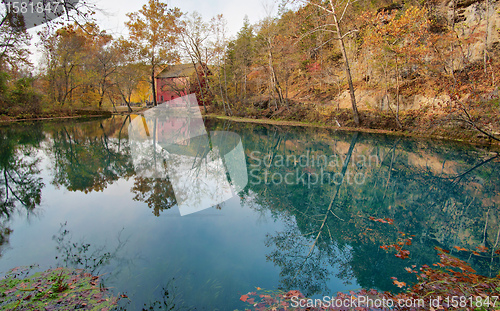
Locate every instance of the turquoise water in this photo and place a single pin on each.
(293, 213)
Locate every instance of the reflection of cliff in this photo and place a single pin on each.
(418, 184)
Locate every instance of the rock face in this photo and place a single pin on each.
(379, 100)
(478, 19)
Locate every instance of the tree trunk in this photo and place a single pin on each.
(199, 84)
(346, 67)
(486, 36)
(274, 79)
(245, 84)
(153, 85)
(397, 94)
(153, 88)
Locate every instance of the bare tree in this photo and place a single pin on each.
(337, 11)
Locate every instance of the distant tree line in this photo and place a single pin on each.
(310, 51)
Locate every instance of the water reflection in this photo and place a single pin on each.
(20, 184)
(79, 254)
(170, 141)
(315, 190)
(86, 159)
(444, 196)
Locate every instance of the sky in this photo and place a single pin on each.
(233, 10)
(112, 15)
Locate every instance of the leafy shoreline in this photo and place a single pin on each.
(471, 140)
(54, 115)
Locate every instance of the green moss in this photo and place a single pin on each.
(61, 289)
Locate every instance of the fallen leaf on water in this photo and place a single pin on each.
(244, 298)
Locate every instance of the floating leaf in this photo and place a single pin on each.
(399, 284)
(244, 298)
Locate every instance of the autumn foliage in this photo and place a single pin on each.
(452, 281)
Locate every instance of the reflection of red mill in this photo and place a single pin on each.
(177, 125)
(204, 169)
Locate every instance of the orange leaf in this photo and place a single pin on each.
(399, 284)
(244, 298)
(482, 249)
(460, 248)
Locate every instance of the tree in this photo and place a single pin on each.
(195, 36)
(153, 33)
(336, 11)
(267, 36)
(77, 64)
(398, 41)
(105, 65)
(128, 75)
(13, 46)
(219, 49)
(239, 58)
(156, 192)
(87, 159)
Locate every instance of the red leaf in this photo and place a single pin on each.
(293, 293)
(244, 298)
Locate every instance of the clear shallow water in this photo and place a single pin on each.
(71, 193)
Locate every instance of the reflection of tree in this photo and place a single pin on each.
(19, 167)
(19, 183)
(174, 144)
(170, 299)
(409, 183)
(156, 192)
(86, 159)
(5, 232)
(307, 267)
(81, 255)
(303, 267)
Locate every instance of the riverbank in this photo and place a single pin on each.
(55, 114)
(414, 123)
(419, 124)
